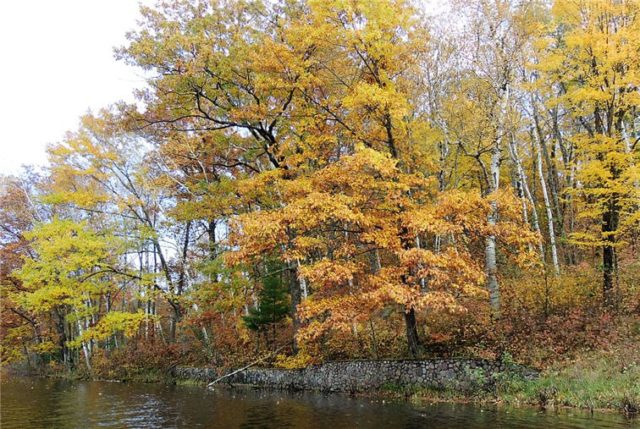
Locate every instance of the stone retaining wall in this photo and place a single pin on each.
(358, 376)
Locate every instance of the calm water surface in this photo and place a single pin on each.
(48, 403)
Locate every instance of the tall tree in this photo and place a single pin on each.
(597, 64)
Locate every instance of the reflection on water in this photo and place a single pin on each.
(48, 403)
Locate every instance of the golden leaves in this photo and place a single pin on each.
(111, 323)
(330, 274)
(596, 60)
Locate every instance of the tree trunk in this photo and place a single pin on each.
(412, 331)
(609, 226)
(62, 337)
(85, 347)
(522, 177)
(547, 206)
(552, 185)
(610, 222)
(296, 295)
(491, 267)
(211, 233)
(608, 271)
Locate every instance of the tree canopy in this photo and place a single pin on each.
(370, 179)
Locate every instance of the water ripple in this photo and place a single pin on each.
(46, 403)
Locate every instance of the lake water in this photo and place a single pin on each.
(49, 403)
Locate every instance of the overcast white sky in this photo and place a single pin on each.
(57, 62)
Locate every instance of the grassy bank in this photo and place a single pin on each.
(594, 381)
(598, 380)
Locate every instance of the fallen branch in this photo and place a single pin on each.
(244, 367)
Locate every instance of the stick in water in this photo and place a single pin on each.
(244, 367)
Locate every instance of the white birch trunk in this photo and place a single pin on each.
(522, 176)
(304, 291)
(547, 206)
(491, 266)
(85, 349)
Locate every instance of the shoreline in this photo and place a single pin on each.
(422, 397)
(551, 389)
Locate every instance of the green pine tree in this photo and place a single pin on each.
(273, 303)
